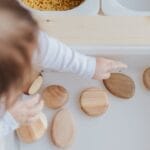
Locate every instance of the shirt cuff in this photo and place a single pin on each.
(91, 61)
(9, 119)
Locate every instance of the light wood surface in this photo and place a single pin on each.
(29, 133)
(94, 30)
(62, 130)
(120, 85)
(94, 101)
(36, 85)
(55, 96)
(33, 83)
(146, 78)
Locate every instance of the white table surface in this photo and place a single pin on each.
(125, 126)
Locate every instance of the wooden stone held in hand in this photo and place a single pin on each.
(31, 132)
(34, 84)
(120, 85)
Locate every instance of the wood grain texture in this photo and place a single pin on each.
(36, 85)
(33, 84)
(94, 101)
(62, 129)
(55, 96)
(120, 85)
(29, 133)
(95, 30)
(146, 78)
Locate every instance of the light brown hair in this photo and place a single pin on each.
(18, 31)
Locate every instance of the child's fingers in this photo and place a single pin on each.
(116, 66)
(37, 109)
(33, 101)
(32, 119)
(106, 76)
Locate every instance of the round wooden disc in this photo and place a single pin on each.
(29, 133)
(62, 129)
(55, 96)
(94, 101)
(146, 78)
(120, 85)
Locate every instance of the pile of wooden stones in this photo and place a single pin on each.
(93, 102)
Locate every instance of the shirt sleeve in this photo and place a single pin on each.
(7, 124)
(54, 55)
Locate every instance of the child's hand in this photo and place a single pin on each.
(104, 68)
(25, 111)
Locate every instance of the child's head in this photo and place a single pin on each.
(18, 39)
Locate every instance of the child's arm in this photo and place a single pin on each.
(59, 57)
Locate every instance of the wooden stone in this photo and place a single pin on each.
(62, 129)
(94, 101)
(146, 78)
(29, 133)
(55, 96)
(34, 84)
(120, 85)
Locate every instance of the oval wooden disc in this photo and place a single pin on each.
(94, 101)
(34, 84)
(29, 133)
(146, 78)
(55, 96)
(62, 129)
(120, 85)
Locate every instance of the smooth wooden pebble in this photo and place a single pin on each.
(34, 84)
(55, 96)
(29, 133)
(120, 85)
(146, 78)
(62, 129)
(94, 101)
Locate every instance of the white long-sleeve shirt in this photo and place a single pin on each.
(54, 55)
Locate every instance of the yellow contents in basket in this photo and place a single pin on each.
(55, 5)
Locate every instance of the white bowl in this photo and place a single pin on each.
(138, 5)
(88, 7)
(126, 7)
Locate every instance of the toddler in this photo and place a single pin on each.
(24, 48)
